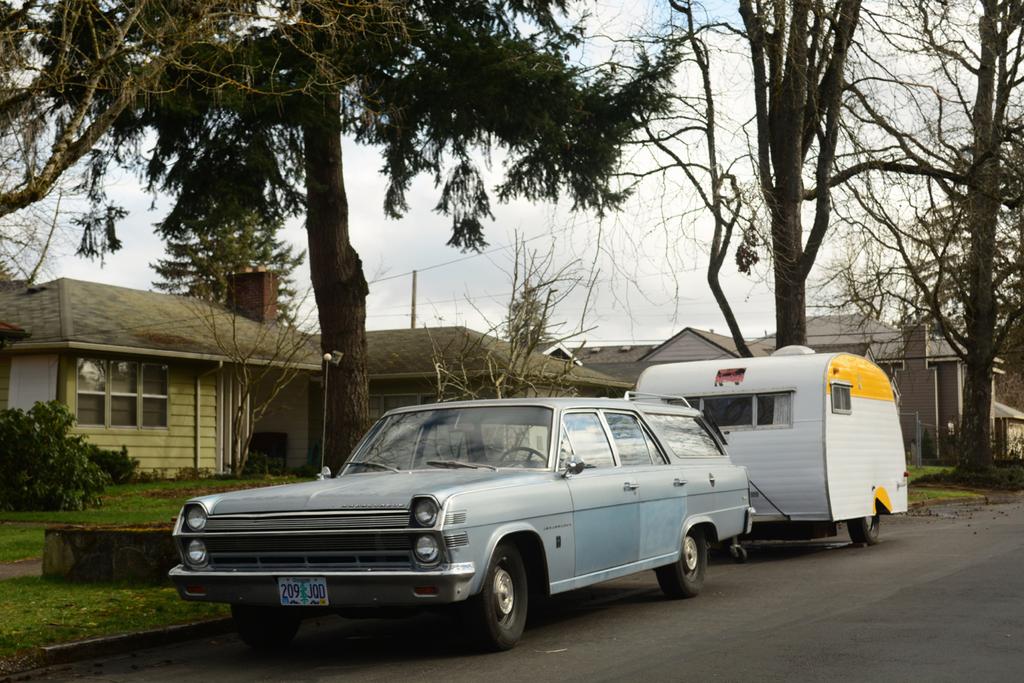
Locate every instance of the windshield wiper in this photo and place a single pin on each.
(455, 464)
(378, 465)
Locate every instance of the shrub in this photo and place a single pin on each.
(119, 467)
(305, 471)
(42, 465)
(1003, 478)
(259, 465)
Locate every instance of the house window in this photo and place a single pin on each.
(92, 392)
(382, 403)
(124, 394)
(108, 393)
(841, 402)
(154, 395)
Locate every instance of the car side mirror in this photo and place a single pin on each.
(325, 473)
(574, 467)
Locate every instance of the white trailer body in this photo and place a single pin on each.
(818, 433)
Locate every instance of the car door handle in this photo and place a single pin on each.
(630, 486)
(679, 482)
(711, 478)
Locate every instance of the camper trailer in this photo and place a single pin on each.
(819, 434)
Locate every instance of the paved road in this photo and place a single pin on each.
(940, 599)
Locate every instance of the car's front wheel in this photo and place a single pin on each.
(684, 578)
(265, 628)
(497, 615)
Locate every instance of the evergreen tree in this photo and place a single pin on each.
(462, 78)
(199, 261)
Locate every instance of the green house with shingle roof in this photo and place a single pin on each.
(153, 372)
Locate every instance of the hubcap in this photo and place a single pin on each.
(690, 554)
(504, 592)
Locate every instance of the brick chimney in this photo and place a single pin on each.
(253, 293)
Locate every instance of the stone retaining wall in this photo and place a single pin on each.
(94, 554)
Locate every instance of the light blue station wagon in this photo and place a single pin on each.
(478, 504)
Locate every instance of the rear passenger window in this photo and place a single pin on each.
(686, 437)
(589, 443)
(630, 440)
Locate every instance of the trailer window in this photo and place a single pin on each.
(684, 436)
(730, 411)
(841, 402)
(774, 410)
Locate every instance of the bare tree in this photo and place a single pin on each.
(70, 68)
(507, 360)
(938, 193)
(261, 360)
(797, 54)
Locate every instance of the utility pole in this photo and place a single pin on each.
(412, 314)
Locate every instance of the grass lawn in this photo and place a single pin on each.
(145, 503)
(20, 542)
(920, 494)
(128, 504)
(36, 611)
(916, 472)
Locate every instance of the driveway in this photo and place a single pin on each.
(940, 599)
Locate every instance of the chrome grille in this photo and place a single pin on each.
(325, 522)
(455, 517)
(349, 551)
(457, 539)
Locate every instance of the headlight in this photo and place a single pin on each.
(196, 553)
(195, 518)
(425, 512)
(427, 550)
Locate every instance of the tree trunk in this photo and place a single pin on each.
(339, 285)
(983, 215)
(790, 282)
(975, 438)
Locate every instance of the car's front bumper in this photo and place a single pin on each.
(448, 583)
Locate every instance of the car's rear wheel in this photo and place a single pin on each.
(864, 529)
(265, 628)
(684, 578)
(497, 615)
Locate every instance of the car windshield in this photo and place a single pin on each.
(477, 438)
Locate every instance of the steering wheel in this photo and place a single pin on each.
(530, 453)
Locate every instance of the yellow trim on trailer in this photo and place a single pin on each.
(882, 496)
(866, 379)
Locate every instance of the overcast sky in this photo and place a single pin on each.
(650, 280)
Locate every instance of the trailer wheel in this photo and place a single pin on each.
(863, 530)
(685, 577)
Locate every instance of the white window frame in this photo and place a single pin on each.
(106, 388)
(833, 385)
(108, 393)
(753, 426)
(143, 396)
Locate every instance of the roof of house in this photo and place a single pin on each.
(413, 352)
(852, 332)
(1003, 411)
(758, 347)
(68, 313)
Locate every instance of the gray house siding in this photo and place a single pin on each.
(949, 394)
(918, 388)
(687, 347)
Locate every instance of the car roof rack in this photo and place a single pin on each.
(642, 395)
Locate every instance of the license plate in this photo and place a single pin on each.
(303, 591)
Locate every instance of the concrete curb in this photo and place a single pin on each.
(100, 646)
(122, 642)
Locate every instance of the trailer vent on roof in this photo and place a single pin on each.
(793, 350)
